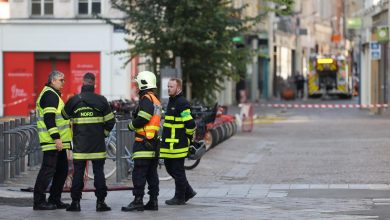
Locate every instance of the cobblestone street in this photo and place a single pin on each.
(295, 164)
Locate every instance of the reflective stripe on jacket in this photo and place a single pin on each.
(62, 125)
(145, 137)
(178, 125)
(92, 120)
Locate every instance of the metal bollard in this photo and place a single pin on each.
(118, 154)
(6, 150)
(17, 148)
(2, 165)
(12, 152)
(25, 149)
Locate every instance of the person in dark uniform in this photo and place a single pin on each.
(54, 137)
(145, 124)
(177, 136)
(92, 121)
(300, 83)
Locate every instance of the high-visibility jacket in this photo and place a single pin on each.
(146, 124)
(178, 128)
(62, 126)
(92, 120)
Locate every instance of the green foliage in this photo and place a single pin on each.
(283, 7)
(199, 31)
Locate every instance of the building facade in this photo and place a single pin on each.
(38, 36)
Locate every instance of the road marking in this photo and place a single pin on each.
(230, 205)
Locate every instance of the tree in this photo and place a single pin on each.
(199, 31)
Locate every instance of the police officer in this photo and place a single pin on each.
(92, 121)
(177, 135)
(146, 124)
(54, 137)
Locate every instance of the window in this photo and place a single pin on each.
(89, 7)
(41, 7)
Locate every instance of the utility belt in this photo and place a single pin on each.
(153, 144)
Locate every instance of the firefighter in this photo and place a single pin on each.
(54, 137)
(177, 135)
(145, 124)
(92, 121)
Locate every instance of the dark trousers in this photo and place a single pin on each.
(175, 168)
(78, 179)
(145, 170)
(54, 168)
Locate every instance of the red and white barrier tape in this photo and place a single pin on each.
(323, 105)
(14, 103)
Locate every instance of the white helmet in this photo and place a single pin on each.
(146, 80)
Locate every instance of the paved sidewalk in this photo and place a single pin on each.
(257, 201)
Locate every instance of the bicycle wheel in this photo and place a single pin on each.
(162, 172)
(190, 164)
(210, 138)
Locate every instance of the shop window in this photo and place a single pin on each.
(89, 7)
(42, 7)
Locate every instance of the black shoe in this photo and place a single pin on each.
(175, 201)
(60, 205)
(44, 206)
(74, 207)
(152, 204)
(136, 205)
(101, 206)
(190, 195)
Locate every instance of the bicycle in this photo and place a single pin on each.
(110, 166)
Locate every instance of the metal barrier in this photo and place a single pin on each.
(124, 140)
(18, 140)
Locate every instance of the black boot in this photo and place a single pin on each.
(152, 204)
(101, 206)
(175, 201)
(74, 206)
(44, 206)
(136, 205)
(190, 195)
(60, 205)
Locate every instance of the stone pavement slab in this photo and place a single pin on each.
(257, 201)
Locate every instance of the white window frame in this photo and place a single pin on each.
(89, 13)
(42, 4)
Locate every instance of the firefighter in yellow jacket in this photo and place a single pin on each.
(145, 124)
(177, 136)
(54, 137)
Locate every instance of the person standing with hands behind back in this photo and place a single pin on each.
(54, 137)
(177, 136)
(92, 120)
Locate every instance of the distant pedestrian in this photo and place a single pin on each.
(177, 136)
(55, 137)
(299, 83)
(92, 120)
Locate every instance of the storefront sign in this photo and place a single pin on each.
(382, 34)
(18, 83)
(354, 23)
(375, 50)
